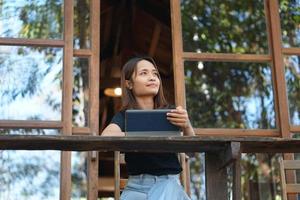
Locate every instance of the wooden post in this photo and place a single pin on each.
(216, 177)
(94, 98)
(65, 172)
(216, 172)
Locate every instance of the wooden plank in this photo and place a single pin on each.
(94, 97)
(15, 124)
(147, 144)
(225, 57)
(295, 129)
(236, 193)
(83, 53)
(291, 164)
(178, 68)
(31, 42)
(291, 51)
(290, 175)
(81, 131)
(293, 188)
(236, 132)
(216, 177)
(65, 172)
(282, 179)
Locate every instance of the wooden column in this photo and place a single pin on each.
(216, 177)
(65, 172)
(178, 68)
(280, 84)
(216, 164)
(94, 97)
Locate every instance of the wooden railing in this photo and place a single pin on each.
(221, 152)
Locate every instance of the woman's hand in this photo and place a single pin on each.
(179, 117)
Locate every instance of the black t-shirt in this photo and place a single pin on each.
(148, 163)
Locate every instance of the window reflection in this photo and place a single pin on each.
(230, 95)
(224, 26)
(79, 175)
(31, 88)
(292, 76)
(29, 175)
(81, 92)
(290, 21)
(39, 19)
(82, 33)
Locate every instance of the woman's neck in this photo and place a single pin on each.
(145, 103)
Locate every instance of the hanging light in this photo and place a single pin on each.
(113, 92)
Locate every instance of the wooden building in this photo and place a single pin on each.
(233, 64)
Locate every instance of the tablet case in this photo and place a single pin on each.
(149, 123)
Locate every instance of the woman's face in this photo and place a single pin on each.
(145, 82)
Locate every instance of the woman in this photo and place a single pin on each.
(151, 175)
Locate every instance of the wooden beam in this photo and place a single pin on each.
(65, 172)
(155, 39)
(85, 53)
(278, 70)
(148, 144)
(94, 76)
(81, 131)
(291, 51)
(31, 42)
(178, 68)
(225, 57)
(13, 124)
(236, 132)
(295, 129)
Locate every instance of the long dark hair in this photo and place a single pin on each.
(128, 98)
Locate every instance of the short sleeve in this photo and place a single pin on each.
(119, 119)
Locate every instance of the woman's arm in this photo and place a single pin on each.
(179, 117)
(112, 130)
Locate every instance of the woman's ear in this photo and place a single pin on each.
(128, 84)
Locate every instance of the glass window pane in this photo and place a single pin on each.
(228, 26)
(32, 86)
(260, 176)
(29, 175)
(79, 175)
(292, 76)
(230, 95)
(82, 33)
(81, 92)
(30, 131)
(37, 19)
(290, 21)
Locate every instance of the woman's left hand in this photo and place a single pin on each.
(179, 117)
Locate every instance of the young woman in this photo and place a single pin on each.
(152, 176)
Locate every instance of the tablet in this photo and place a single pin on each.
(149, 123)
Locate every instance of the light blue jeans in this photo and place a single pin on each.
(150, 187)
